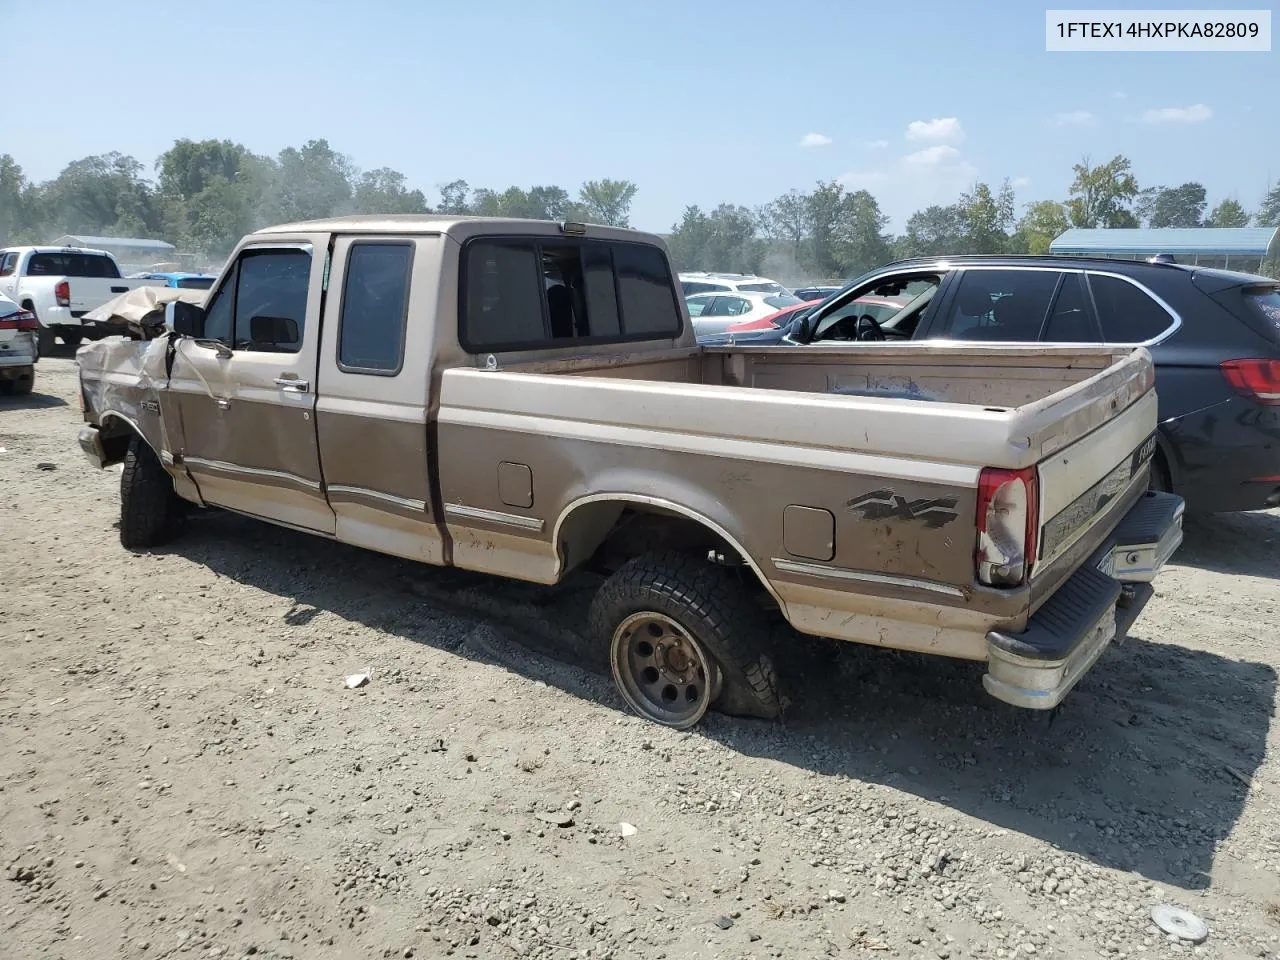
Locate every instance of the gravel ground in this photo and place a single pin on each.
(184, 771)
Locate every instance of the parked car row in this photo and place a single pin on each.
(1214, 336)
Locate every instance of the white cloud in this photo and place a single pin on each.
(814, 140)
(1072, 118)
(935, 174)
(932, 156)
(1196, 113)
(1020, 182)
(939, 129)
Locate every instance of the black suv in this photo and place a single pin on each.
(1214, 336)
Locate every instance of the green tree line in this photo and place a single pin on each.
(206, 194)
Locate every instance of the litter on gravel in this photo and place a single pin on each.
(1180, 923)
(356, 680)
(627, 829)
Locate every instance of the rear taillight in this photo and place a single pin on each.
(1008, 520)
(62, 293)
(1257, 379)
(22, 320)
(764, 323)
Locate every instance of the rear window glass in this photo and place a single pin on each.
(1126, 312)
(783, 300)
(196, 283)
(8, 261)
(761, 288)
(71, 265)
(530, 294)
(1267, 304)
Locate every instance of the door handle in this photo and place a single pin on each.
(296, 386)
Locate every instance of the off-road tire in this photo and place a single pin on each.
(20, 387)
(150, 512)
(714, 607)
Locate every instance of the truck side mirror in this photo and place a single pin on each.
(802, 330)
(185, 319)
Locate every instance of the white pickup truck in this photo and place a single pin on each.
(60, 285)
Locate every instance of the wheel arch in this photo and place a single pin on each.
(586, 522)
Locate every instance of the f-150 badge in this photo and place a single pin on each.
(887, 505)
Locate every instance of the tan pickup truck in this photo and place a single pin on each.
(526, 398)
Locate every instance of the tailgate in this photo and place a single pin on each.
(90, 292)
(1083, 478)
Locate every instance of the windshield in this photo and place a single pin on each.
(195, 283)
(783, 300)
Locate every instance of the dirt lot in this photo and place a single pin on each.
(185, 773)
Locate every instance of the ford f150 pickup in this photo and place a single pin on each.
(526, 398)
(59, 285)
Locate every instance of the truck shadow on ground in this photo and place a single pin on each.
(1144, 769)
(1236, 543)
(31, 401)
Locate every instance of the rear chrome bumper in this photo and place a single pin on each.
(1037, 667)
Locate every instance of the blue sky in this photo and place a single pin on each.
(697, 102)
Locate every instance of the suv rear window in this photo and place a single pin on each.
(1126, 312)
(783, 300)
(72, 265)
(1266, 303)
(761, 288)
(530, 294)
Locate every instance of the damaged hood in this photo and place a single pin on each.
(141, 310)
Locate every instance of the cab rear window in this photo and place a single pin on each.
(71, 265)
(524, 293)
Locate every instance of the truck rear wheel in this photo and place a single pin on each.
(150, 512)
(684, 637)
(72, 340)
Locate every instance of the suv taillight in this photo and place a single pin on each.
(62, 293)
(1008, 520)
(1256, 379)
(22, 320)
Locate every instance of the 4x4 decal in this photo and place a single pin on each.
(887, 505)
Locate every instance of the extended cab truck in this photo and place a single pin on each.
(525, 398)
(60, 285)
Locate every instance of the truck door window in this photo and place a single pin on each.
(7, 264)
(1007, 305)
(375, 305)
(271, 300)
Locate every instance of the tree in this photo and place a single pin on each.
(987, 218)
(1042, 223)
(1101, 196)
(786, 218)
(1228, 213)
(1269, 212)
(455, 198)
(861, 243)
(211, 192)
(933, 230)
(15, 201)
(823, 214)
(607, 201)
(99, 195)
(1172, 206)
(312, 182)
(724, 239)
(384, 191)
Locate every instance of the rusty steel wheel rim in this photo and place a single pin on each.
(662, 671)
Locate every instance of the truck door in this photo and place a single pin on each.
(247, 409)
(374, 385)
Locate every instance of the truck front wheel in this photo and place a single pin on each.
(150, 512)
(684, 636)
